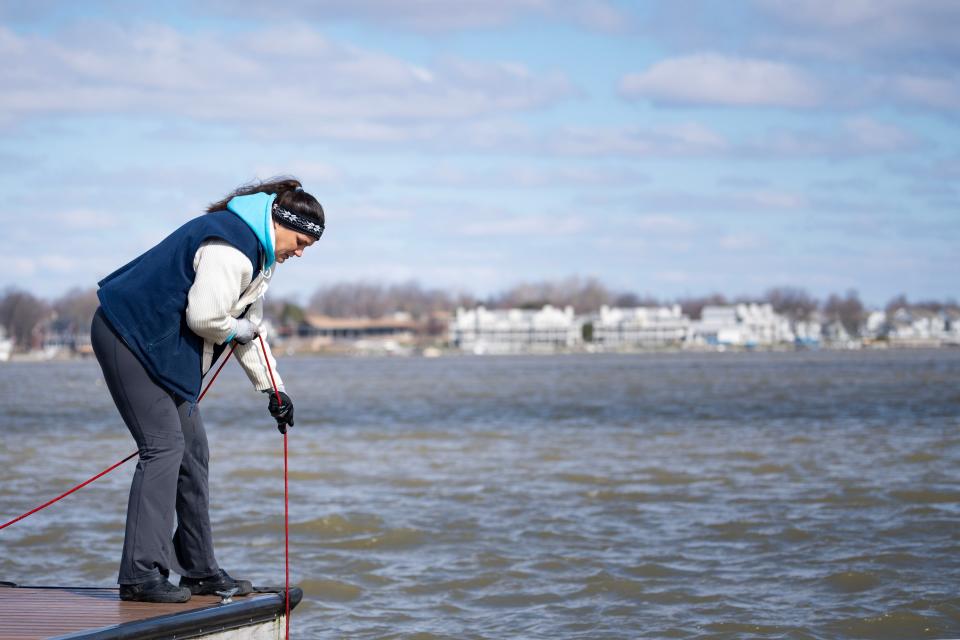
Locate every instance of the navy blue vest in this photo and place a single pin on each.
(146, 299)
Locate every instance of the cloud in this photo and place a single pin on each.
(530, 176)
(740, 241)
(857, 136)
(379, 213)
(511, 136)
(843, 55)
(719, 80)
(85, 220)
(664, 224)
(858, 28)
(676, 139)
(775, 204)
(934, 92)
(155, 70)
(536, 225)
(433, 16)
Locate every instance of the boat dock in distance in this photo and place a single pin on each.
(92, 613)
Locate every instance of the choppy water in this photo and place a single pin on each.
(808, 495)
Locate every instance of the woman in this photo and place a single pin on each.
(163, 320)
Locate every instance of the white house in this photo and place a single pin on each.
(917, 325)
(6, 345)
(741, 325)
(640, 326)
(876, 324)
(483, 330)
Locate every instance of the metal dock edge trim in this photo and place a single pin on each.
(190, 624)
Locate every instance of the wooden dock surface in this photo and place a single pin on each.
(30, 613)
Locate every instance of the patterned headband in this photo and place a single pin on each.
(298, 222)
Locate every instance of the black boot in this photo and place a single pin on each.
(210, 585)
(156, 590)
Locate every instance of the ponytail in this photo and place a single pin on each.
(290, 196)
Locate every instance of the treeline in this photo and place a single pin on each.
(27, 319)
(586, 295)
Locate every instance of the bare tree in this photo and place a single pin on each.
(377, 300)
(793, 302)
(583, 294)
(74, 310)
(848, 311)
(285, 311)
(349, 299)
(930, 305)
(693, 306)
(21, 314)
(897, 302)
(628, 299)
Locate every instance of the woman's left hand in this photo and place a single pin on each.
(281, 410)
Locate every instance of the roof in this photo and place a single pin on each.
(326, 322)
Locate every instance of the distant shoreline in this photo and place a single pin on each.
(435, 352)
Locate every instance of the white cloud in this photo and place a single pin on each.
(674, 276)
(715, 79)
(859, 26)
(934, 92)
(740, 241)
(378, 213)
(664, 224)
(524, 225)
(838, 15)
(530, 176)
(857, 136)
(678, 139)
(269, 76)
(85, 219)
(441, 15)
(801, 53)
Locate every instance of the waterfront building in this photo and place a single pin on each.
(745, 325)
(389, 334)
(916, 326)
(483, 330)
(876, 325)
(6, 345)
(397, 326)
(808, 333)
(837, 336)
(639, 326)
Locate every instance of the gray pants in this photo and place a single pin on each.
(171, 476)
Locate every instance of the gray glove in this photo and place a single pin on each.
(246, 331)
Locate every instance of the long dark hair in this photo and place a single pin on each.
(290, 196)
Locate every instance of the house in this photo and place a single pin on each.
(917, 326)
(639, 326)
(745, 325)
(483, 330)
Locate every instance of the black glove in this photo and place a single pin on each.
(281, 411)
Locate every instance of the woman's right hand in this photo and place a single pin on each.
(246, 331)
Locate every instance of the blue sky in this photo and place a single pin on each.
(665, 148)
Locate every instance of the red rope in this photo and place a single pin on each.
(217, 372)
(111, 468)
(286, 500)
(286, 537)
(64, 495)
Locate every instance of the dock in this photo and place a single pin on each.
(94, 613)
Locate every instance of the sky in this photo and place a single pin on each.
(666, 148)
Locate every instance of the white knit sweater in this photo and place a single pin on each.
(222, 289)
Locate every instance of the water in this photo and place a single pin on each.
(795, 495)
